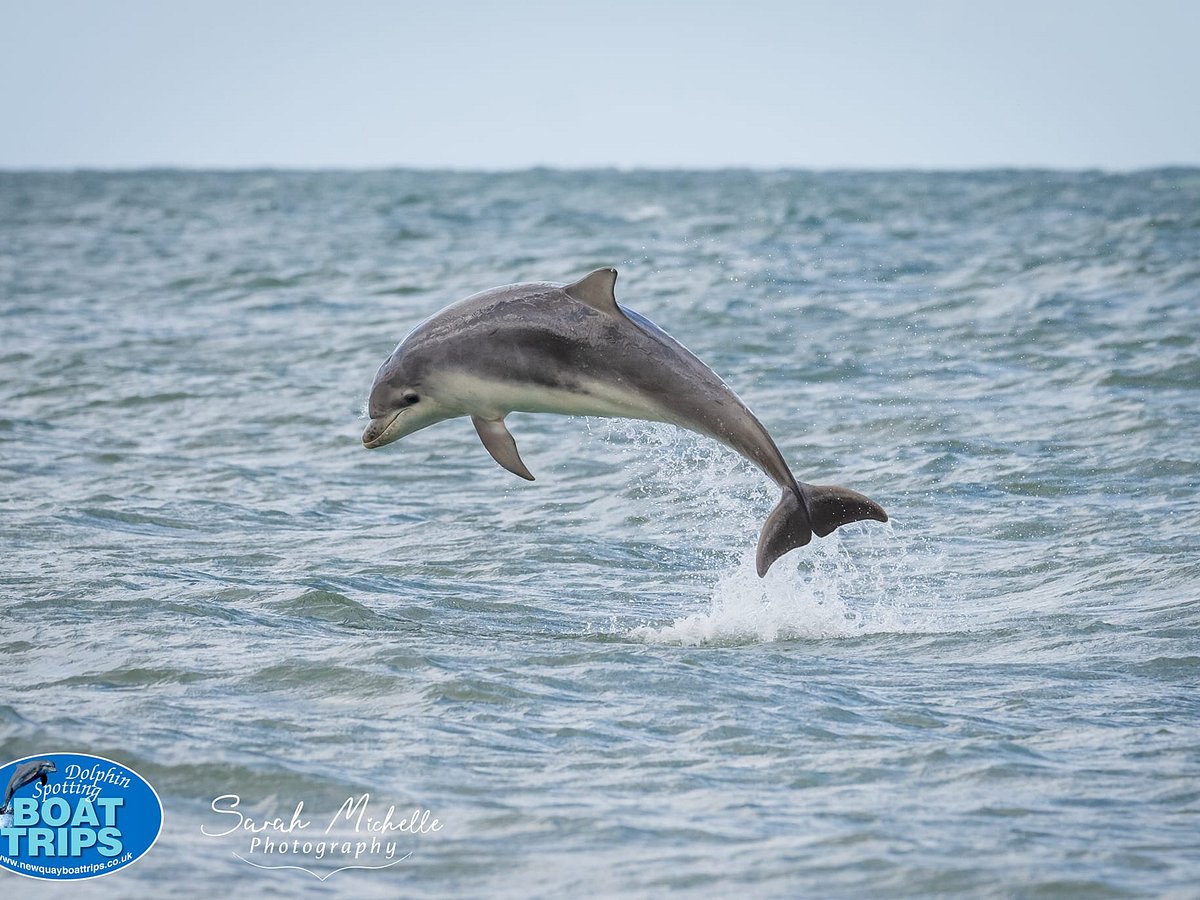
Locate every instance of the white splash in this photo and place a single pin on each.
(863, 579)
(841, 587)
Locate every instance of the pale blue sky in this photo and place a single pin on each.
(501, 85)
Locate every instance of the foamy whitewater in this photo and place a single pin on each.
(204, 575)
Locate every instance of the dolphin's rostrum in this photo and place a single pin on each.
(570, 349)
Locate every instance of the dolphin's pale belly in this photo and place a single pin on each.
(493, 398)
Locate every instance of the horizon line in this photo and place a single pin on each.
(232, 169)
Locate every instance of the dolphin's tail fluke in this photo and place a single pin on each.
(819, 509)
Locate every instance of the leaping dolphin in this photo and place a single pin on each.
(570, 349)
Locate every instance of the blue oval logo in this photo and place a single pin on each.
(70, 816)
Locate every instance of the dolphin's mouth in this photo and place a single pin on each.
(382, 430)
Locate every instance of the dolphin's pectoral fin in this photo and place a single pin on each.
(597, 291)
(501, 445)
(44, 779)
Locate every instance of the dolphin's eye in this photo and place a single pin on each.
(410, 399)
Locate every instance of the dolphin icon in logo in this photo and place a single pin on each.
(26, 773)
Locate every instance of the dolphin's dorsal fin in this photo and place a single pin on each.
(596, 290)
(501, 445)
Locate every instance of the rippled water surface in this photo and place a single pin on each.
(206, 577)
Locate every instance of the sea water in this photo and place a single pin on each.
(204, 575)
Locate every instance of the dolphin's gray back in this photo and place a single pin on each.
(549, 345)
